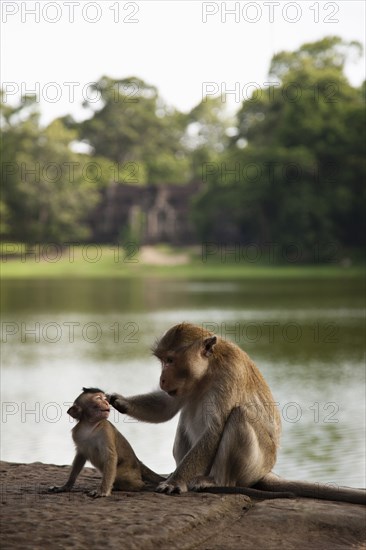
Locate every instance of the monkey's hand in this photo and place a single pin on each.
(118, 402)
(59, 489)
(171, 486)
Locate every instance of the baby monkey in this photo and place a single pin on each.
(98, 441)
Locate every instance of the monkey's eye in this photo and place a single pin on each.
(169, 360)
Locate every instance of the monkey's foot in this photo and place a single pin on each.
(57, 489)
(97, 494)
(201, 482)
(172, 487)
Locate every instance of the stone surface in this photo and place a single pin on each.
(33, 518)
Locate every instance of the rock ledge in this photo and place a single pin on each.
(33, 518)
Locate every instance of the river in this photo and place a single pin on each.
(306, 336)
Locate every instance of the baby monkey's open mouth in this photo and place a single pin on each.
(172, 393)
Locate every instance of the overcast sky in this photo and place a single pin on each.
(183, 48)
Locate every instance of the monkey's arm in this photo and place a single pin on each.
(196, 462)
(77, 466)
(153, 407)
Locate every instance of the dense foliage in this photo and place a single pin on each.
(289, 167)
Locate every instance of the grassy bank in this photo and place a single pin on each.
(161, 262)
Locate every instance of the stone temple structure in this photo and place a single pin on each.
(149, 214)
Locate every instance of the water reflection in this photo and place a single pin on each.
(306, 337)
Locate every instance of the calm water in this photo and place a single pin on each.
(305, 336)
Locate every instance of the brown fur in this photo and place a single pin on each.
(207, 377)
(229, 427)
(98, 441)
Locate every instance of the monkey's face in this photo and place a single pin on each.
(98, 406)
(183, 369)
(90, 406)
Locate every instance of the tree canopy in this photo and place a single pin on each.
(295, 169)
(288, 167)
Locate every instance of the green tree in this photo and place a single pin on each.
(208, 127)
(46, 190)
(308, 125)
(131, 124)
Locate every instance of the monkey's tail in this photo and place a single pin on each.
(150, 476)
(248, 491)
(273, 482)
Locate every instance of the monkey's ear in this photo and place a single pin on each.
(75, 412)
(208, 344)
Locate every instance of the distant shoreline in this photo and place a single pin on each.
(103, 261)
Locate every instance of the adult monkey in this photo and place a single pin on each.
(229, 427)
